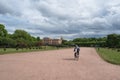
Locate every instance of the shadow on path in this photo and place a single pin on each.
(69, 59)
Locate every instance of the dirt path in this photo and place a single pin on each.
(57, 65)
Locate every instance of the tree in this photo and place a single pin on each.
(90, 41)
(23, 39)
(3, 36)
(64, 41)
(38, 38)
(21, 34)
(3, 31)
(113, 40)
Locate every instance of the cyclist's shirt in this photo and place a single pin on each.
(76, 49)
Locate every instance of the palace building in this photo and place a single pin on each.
(49, 41)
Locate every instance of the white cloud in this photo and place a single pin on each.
(68, 18)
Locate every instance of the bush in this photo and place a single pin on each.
(17, 48)
(4, 49)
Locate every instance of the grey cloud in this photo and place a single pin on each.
(46, 12)
(69, 19)
(7, 7)
(4, 9)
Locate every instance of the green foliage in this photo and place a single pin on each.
(38, 38)
(113, 40)
(3, 36)
(19, 38)
(21, 34)
(3, 31)
(90, 41)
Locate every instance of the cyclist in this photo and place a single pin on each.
(76, 50)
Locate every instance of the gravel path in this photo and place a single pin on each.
(57, 65)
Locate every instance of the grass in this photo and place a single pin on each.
(13, 50)
(110, 55)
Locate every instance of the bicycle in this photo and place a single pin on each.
(76, 56)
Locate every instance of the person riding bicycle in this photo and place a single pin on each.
(76, 50)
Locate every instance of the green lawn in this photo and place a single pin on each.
(13, 50)
(109, 55)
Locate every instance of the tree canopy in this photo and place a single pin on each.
(20, 38)
(3, 31)
(113, 40)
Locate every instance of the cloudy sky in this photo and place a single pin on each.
(67, 18)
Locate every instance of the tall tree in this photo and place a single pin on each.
(113, 40)
(22, 38)
(3, 36)
(21, 34)
(38, 38)
(3, 31)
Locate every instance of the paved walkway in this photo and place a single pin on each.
(57, 65)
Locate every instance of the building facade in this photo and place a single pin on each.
(49, 41)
